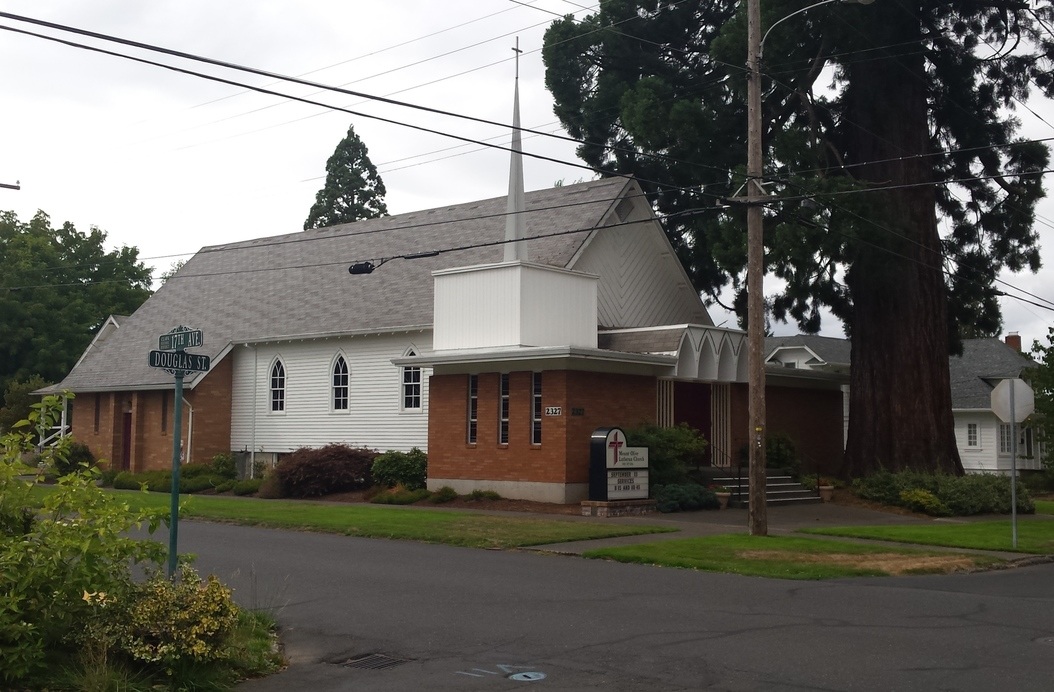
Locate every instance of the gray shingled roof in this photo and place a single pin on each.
(983, 363)
(643, 341)
(973, 374)
(833, 350)
(298, 285)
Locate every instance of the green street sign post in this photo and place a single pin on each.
(172, 357)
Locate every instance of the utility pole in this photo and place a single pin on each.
(757, 514)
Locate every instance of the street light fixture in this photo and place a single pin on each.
(757, 518)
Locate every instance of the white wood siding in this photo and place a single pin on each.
(983, 457)
(374, 418)
(986, 457)
(641, 281)
(514, 304)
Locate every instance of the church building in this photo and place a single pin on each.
(496, 335)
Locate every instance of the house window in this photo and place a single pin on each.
(164, 412)
(98, 411)
(473, 408)
(411, 386)
(503, 410)
(278, 386)
(971, 434)
(340, 384)
(536, 408)
(1005, 438)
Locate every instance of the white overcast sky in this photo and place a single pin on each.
(170, 163)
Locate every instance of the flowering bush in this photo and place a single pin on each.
(171, 623)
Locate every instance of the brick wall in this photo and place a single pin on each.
(150, 441)
(587, 401)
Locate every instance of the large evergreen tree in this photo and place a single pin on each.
(353, 190)
(900, 187)
(57, 286)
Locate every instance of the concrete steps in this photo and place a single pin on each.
(780, 489)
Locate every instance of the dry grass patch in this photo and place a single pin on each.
(792, 557)
(889, 563)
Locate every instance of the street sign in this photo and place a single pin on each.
(179, 340)
(1024, 401)
(179, 360)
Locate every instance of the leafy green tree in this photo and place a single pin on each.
(19, 400)
(171, 271)
(57, 286)
(1041, 379)
(870, 115)
(353, 190)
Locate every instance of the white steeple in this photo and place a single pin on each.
(515, 221)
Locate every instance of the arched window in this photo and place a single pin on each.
(411, 386)
(340, 384)
(278, 386)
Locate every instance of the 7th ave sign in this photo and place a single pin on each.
(179, 360)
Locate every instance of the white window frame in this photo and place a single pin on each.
(972, 438)
(503, 408)
(1006, 441)
(279, 389)
(536, 408)
(472, 430)
(410, 386)
(337, 396)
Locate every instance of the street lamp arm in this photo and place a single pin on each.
(761, 48)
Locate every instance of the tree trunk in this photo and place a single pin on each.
(900, 413)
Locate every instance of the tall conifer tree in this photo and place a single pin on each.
(353, 190)
(901, 188)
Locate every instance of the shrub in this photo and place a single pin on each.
(75, 456)
(409, 469)
(195, 471)
(671, 451)
(960, 495)
(983, 494)
(478, 494)
(248, 486)
(309, 472)
(179, 623)
(77, 543)
(684, 497)
(271, 488)
(107, 476)
(444, 494)
(196, 484)
(919, 500)
(400, 496)
(224, 465)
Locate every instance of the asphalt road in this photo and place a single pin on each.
(464, 619)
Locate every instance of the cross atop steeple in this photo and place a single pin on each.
(515, 223)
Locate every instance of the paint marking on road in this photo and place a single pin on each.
(509, 671)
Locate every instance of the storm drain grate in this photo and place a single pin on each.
(373, 662)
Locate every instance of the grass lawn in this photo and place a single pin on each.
(790, 557)
(375, 521)
(1034, 534)
(1044, 506)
